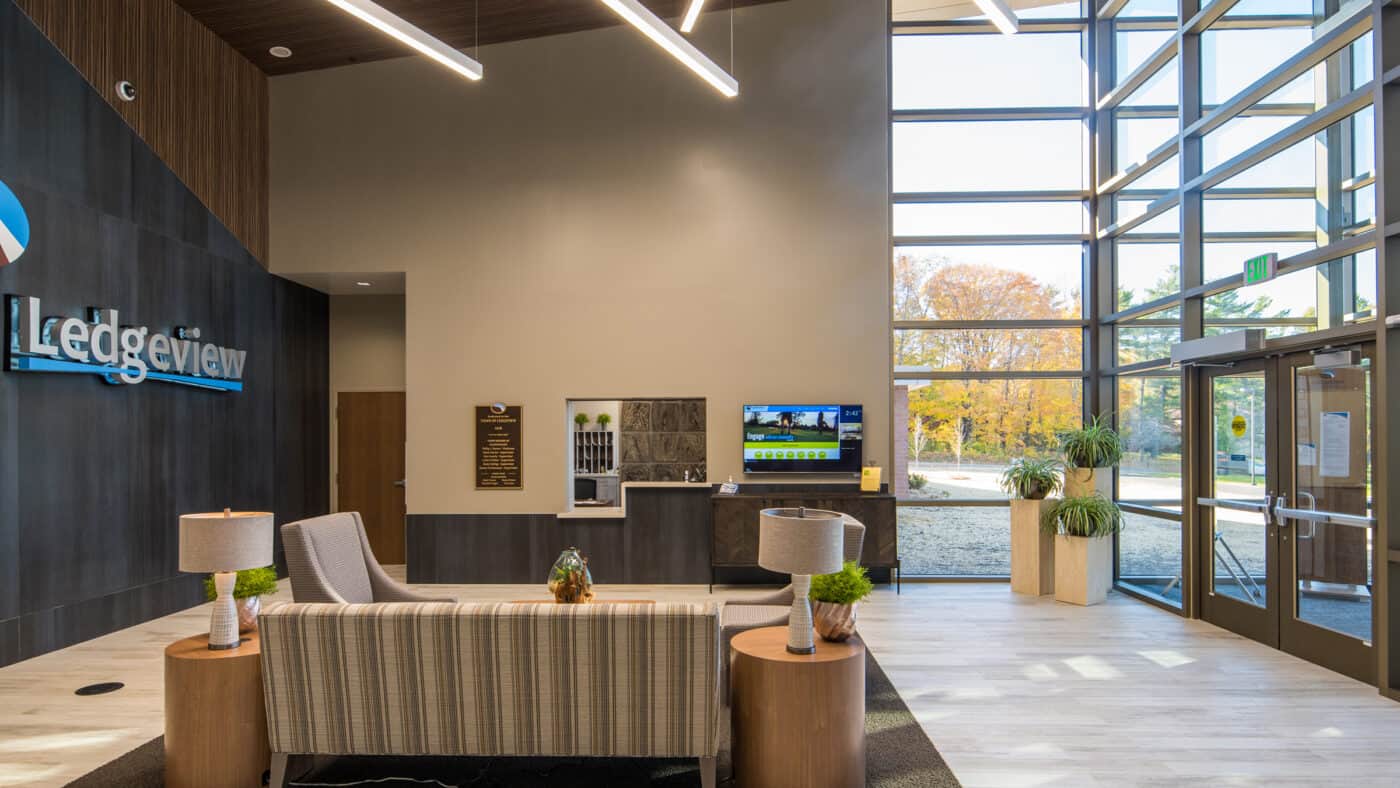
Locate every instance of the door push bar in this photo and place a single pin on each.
(1282, 514)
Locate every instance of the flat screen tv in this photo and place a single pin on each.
(802, 439)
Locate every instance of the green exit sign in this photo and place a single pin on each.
(1260, 269)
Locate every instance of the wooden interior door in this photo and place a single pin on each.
(370, 438)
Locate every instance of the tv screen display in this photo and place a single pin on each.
(802, 438)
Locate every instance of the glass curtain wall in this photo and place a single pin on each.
(1070, 201)
(1224, 131)
(991, 232)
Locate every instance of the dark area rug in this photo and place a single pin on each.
(898, 755)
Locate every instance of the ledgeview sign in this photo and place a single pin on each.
(120, 354)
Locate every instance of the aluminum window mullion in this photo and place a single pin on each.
(1109, 9)
(1158, 156)
(1153, 210)
(1147, 70)
(1348, 105)
(988, 374)
(933, 325)
(988, 240)
(1348, 28)
(1199, 21)
(966, 26)
(974, 114)
(926, 198)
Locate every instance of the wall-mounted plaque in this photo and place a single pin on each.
(498, 448)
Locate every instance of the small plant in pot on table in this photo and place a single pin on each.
(834, 599)
(248, 590)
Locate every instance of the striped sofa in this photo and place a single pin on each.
(441, 678)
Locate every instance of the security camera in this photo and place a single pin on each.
(126, 91)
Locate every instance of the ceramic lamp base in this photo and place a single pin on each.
(223, 622)
(800, 639)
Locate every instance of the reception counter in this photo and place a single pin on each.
(620, 511)
(665, 532)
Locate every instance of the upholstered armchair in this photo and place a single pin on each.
(771, 610)
(329, 560)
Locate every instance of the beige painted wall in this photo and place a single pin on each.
(593, 219)
(367, 354)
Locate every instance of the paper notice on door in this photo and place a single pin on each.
(1307, 455)
(1336, 444)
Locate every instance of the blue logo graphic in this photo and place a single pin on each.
(14, 227)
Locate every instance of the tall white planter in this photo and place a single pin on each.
(1080, 482)
(1032, 551)
(1083, 569)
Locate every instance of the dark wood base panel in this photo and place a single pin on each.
(666, 537)
(736, 522)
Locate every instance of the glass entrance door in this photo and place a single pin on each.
(1287, 548)
(1240, 549)
(1323, 512)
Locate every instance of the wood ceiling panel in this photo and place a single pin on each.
(322, 36)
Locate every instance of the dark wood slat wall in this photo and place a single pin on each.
(200, 105)
(93, 477)
(321, 36)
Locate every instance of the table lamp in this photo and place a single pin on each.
(223, 543)
(800, 542)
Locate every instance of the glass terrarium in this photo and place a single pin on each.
(569, 579)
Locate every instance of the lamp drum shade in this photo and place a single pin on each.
(225, 541)
(800, 541)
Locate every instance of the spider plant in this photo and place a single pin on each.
(1090, 516)
(1095, 445)
(1032, 479)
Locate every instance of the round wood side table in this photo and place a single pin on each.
(799, 720)
(215, 723)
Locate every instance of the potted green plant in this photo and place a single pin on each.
(1028, 482)
(581, 420)
(248, 590)
(1093, 448)
(834, 598)
(1082, 528)
(1030, 479)
(603, 421)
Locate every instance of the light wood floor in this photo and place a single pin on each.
(1014, 692)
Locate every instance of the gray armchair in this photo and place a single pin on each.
(329, 560)
(771, 610)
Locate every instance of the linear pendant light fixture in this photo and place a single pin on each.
(640, 17)
(403, 32)
(1001, 15)
(692, 15)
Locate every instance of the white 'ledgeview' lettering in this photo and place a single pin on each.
(122, 354)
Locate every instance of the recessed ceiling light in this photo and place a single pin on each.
(365, 284)
(280, 52)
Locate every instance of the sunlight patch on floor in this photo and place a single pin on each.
(63, 741)
(1167, 659)
(25, 773)
(1091, 667)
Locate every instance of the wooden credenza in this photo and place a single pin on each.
(734, 524)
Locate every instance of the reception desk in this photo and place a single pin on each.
(665, 532)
